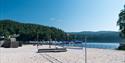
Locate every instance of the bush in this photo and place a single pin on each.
(122, 47)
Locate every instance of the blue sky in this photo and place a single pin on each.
(68, 15)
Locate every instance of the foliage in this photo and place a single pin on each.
(100, 36)
(121, 23)
(28, 31)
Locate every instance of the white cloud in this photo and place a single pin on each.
(52, 19)
(55, 19)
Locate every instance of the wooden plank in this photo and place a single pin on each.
(52, 50)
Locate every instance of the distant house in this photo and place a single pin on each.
(1, 36)
(13, 39)
(1, 40)
(11, 42)
(14, 43)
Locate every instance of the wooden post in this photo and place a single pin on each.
(37, 41)
(85, 49)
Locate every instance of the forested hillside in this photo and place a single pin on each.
(100, 36)
(28, 31)
(31, 32)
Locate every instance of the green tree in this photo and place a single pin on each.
(121, 23)
(28, 31)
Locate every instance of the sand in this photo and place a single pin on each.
(27, 54)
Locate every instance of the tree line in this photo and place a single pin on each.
(30, 32)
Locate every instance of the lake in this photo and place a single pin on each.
(96, 45)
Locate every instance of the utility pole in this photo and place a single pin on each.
(85, 49)
(37, 41)
(50, 40)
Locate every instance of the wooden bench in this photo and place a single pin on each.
(52, 50)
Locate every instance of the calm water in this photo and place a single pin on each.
(96, 45)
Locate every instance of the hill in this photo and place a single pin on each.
(28, 31)
(100, 36)
(31, 32)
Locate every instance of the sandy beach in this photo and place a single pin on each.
(27, 54)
